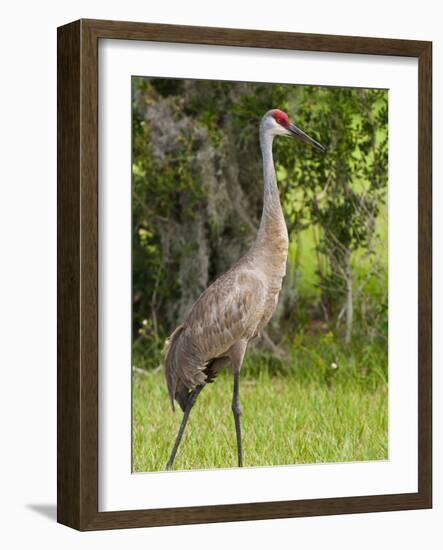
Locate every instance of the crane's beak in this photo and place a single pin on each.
(299, 134)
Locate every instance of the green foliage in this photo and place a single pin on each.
(163, 192)
(197, 198)
(342, 192)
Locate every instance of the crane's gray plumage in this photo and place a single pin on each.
(238, 305)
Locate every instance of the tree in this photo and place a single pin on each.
(342, 192)
(197, 193)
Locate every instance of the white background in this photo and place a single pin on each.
(28, 299)
(118, 488)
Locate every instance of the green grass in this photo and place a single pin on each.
(298, 417)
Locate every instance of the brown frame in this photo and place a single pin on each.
(77, 405)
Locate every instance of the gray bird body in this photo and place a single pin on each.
(239, 304)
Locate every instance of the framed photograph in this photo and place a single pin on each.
(244, 275)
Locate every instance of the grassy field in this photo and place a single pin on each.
(309, 414)
(296, 410)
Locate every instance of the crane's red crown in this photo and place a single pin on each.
(281, 117)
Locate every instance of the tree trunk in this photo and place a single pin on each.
(349, 297)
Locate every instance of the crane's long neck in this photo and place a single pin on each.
(272, 235)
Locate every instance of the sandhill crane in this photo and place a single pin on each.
(236, 307)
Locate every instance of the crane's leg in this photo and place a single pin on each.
(191, 400)
(236, 356)
(237, 410)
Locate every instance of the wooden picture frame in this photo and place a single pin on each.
(77, 455)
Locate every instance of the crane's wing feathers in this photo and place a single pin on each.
(225, 313)
(228, 311)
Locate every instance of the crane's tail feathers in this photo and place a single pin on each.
(170, 363)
